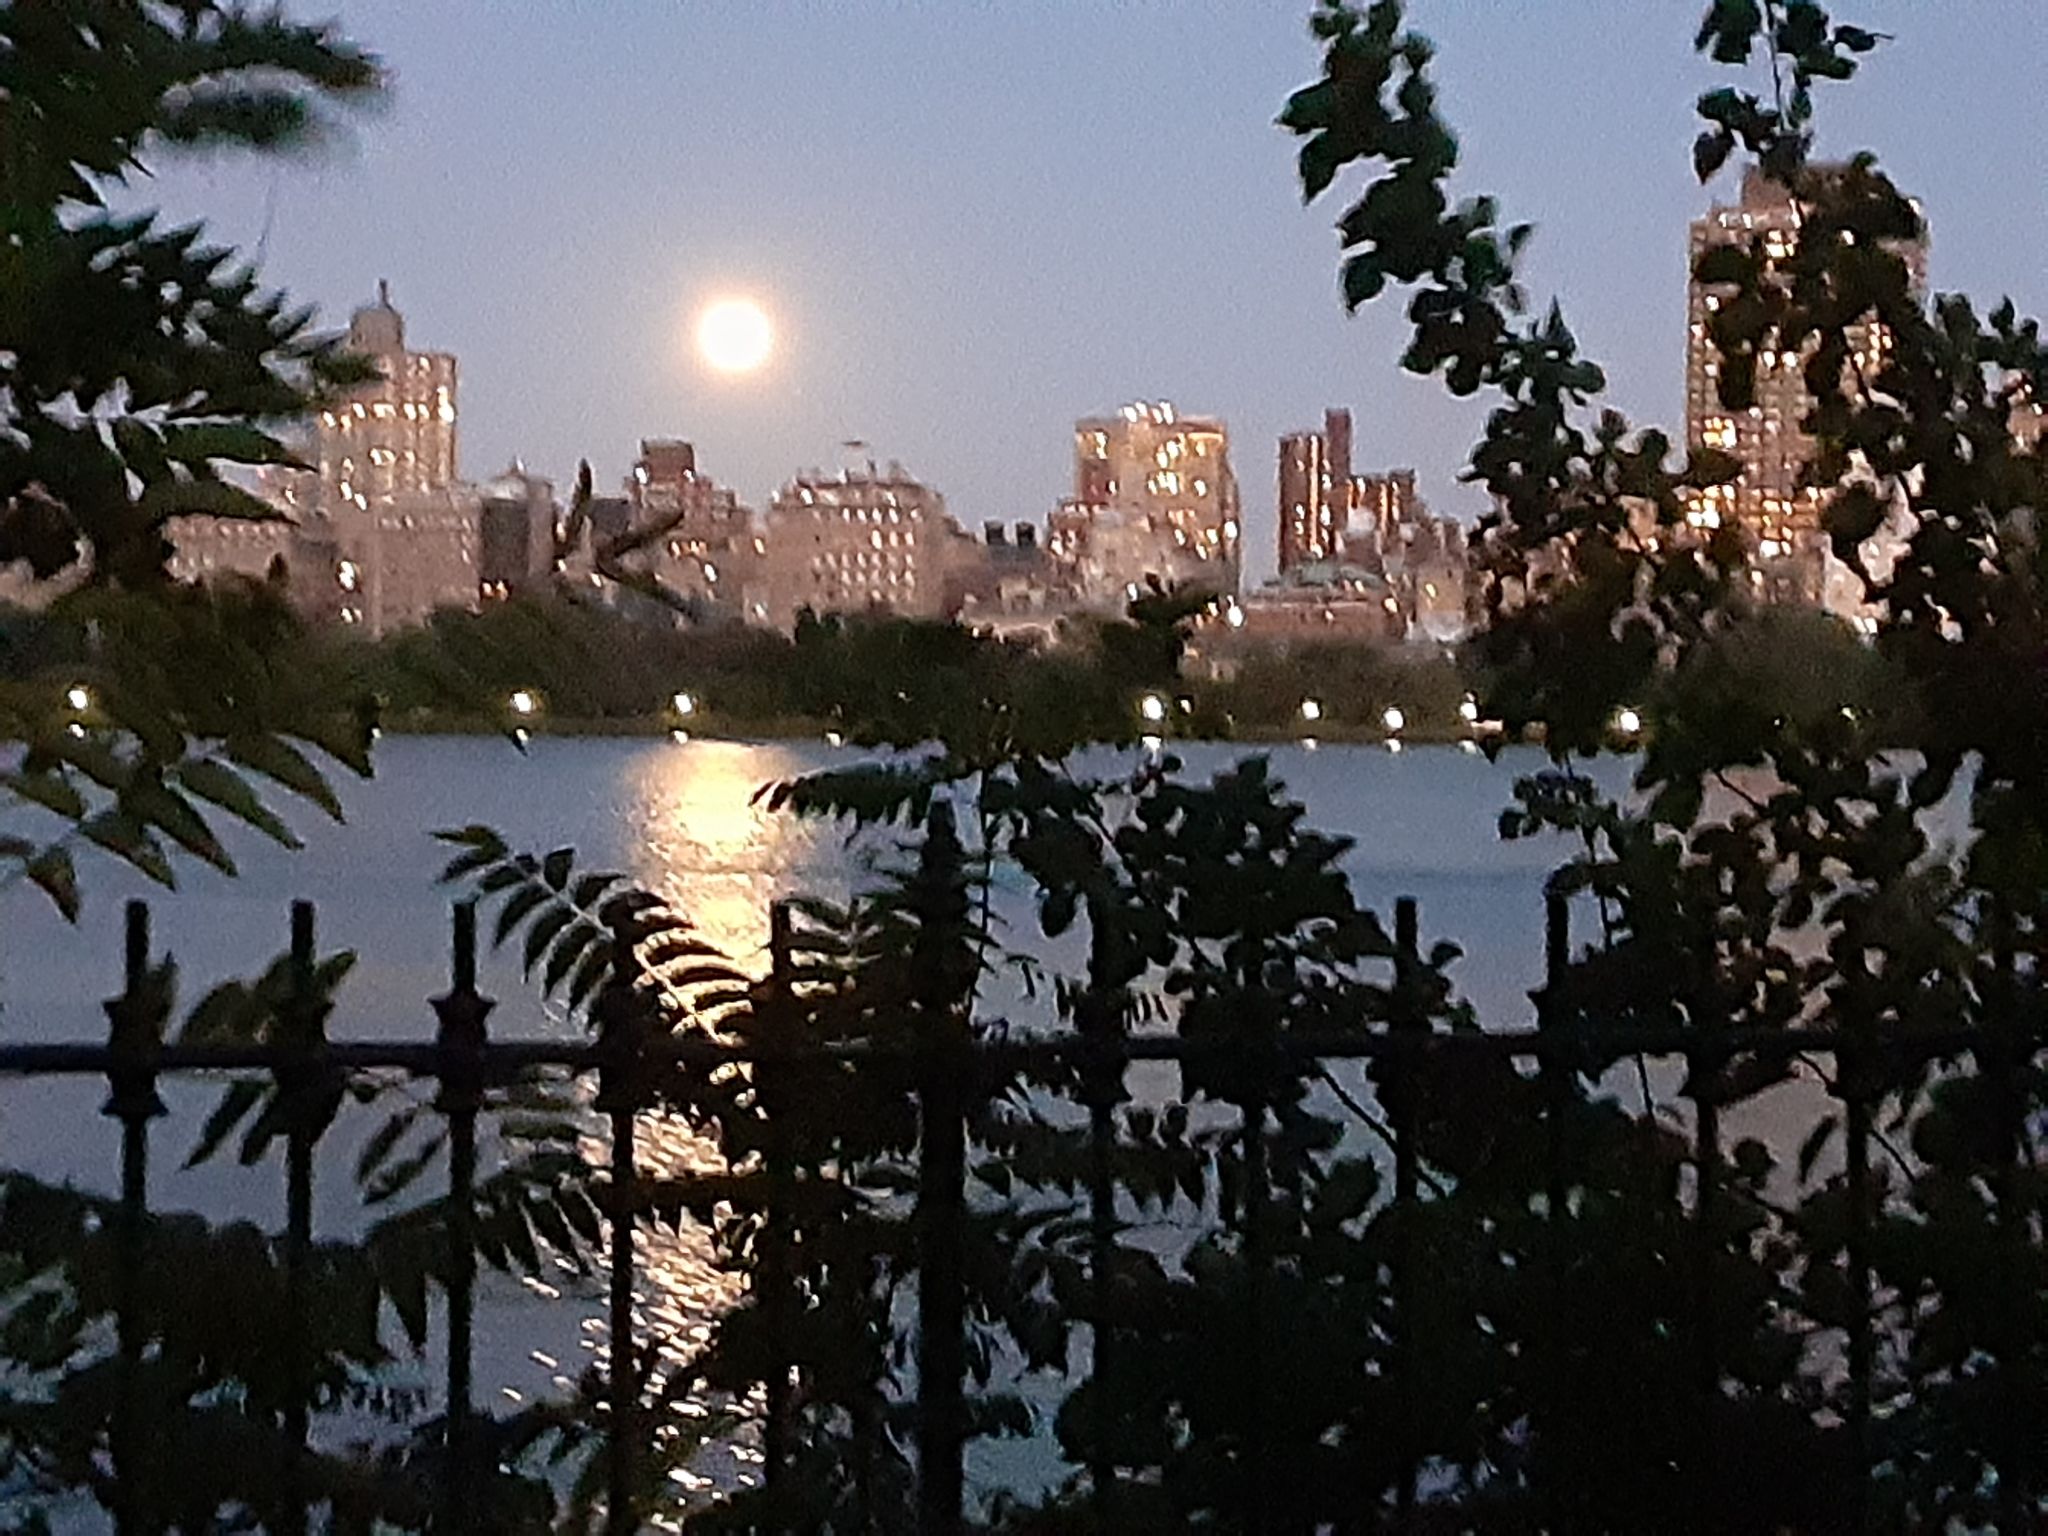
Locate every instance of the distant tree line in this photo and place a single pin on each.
(592, 667)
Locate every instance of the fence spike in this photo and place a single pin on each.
(135, 1032)
(1407, 1022)
(1856, 1177)
(303, 1084)
(774, 1279)
(623, 1028)
(1557, 1074)
(1102, 1085)
(462, 1040)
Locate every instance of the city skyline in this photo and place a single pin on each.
(957, 276)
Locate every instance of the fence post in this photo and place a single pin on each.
(775, 1022)
(1408, 1025)
(135, 1029)
(2005, 1061)
(1254, 1471)
(461, 1013)
(945, 962)
(1704, 1068)
(308, 1100)
(941, 1296)
(1557, 1072)
(623, 1026)
(1102, 1087)
(1849, 1076)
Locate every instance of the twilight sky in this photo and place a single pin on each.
(974, 220)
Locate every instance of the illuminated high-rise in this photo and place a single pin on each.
(1779, 515)
(400, 535)
(379, 530)
(395, 433)
(866, 539)
(1155, 498)
(1315, 491)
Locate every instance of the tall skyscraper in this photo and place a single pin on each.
(1780, 517)
(381, 531)
(1307, 526)
(400, 535)
(395, 433)
(1337, 448)
(1154, 497)
(1315, 491)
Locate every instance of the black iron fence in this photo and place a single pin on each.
(464, 1062)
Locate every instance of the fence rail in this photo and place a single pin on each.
(463, 1061)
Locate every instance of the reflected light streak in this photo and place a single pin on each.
(704, 844)
(710, 849)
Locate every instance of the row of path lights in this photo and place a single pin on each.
(1153, 710)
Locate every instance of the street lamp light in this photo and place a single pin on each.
(1394, 720)
(1469, 710)
(685, 703)
(1311, 710)
(524, 702)
(79, 697)
(1152, 708)
(1628, 721)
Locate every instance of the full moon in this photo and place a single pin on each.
(734, 336)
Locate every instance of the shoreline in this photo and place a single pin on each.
(714, 728)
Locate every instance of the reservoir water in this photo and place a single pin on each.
(684, 819)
